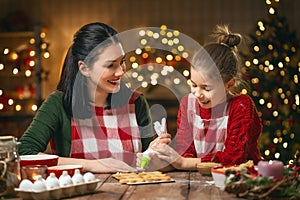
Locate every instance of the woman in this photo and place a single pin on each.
(92, 115)
(214, 122)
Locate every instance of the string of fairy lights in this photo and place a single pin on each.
(151, 66)
(283, 67)
(20, 62)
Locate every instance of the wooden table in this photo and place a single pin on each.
(187, 185)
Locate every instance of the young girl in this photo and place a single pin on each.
(215, 123)
(92, 115)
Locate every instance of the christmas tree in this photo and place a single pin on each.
(272, 68)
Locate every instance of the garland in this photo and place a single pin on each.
(246, 183)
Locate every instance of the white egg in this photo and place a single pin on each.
(77, 178)
(88, 177)
(26, 185)
(65, 179)
(39, 184)
(52, 181)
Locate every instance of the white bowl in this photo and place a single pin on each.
(219, 177)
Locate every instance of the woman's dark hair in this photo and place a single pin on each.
(87, 42)
(223, 54)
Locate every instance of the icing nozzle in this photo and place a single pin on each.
(144, 162)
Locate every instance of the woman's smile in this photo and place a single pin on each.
(115, 82)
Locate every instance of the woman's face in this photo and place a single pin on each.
(209, 92)
(105, 74)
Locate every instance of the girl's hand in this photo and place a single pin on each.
(167, 153)
(154, 164)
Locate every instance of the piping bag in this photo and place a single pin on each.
(159, 129)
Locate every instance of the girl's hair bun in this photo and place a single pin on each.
(232, 40)
(225, 37)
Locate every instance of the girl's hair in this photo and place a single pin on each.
(88, 41)
(223, 54)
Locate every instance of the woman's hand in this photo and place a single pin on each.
(164, 138)
(95, 166)
(116, 165)
(105, 165)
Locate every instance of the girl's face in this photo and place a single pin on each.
(105, 74)
(209, 92)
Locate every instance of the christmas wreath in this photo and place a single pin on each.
(246, 183)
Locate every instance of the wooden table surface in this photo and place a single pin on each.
(187, 185)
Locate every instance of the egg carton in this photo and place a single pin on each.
(61, 192)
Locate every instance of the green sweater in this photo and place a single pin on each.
(52, 122)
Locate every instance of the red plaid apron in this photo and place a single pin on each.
(209, 134)
(109, 133)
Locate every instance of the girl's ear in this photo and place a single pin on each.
(84, 70)
(230, 84)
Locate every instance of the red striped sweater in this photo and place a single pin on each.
(243, 130)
